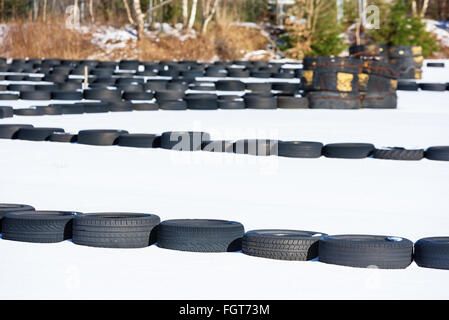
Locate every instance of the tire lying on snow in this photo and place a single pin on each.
(256, 147)
(432, 86)
(334, 100)
(348, 150)
(200, 235)
(63, 137)
(282, 244)
(10, 207)
(291, 102)
(183, 140)
(432, 253)
(397, 153)
(6, 112)
(100, 137)
(37, 134)
(139, 140)
(115, 230)
(300, 149)
(366, 251)
(9, 131)
(438, 153)
(218, 146)
(38, 226)
(379, 100)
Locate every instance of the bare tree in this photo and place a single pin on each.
(209, 10)
(192, 14)
(128, 12)
(185, 11)
(422, 11)
(44, 11)
(91, 11)
(140, 17)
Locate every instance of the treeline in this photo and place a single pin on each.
(120, 11)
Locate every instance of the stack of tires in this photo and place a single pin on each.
(408, 60)
(379, 51)
(349, 83)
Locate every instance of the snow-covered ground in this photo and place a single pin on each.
(407, 199)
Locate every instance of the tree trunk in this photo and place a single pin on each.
(91, 11)
(128, 12)
(209, 11)
(44, 12)
(140, 17)
(192, 14)
(185, 12)
(424, 8)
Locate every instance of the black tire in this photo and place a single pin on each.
(63, 137)
(138, 95)
(364, 251)
(10, 131)
(432, 86)
(379, 100)
(120, 106)
(408, 86)
(6, 112)
(231, 104)
(348, 150)
(77, 108)
(300, 149)
(95, 107)
(115, 230)
(11, 207)
(218, 146)
(145, 106)
(53, 110)
(200, 235)
(37, 134)
(259, 87)
(432, 253)
(35, 95)
(435, 64)
(100, 137)
(282, 244)
(334, 100)
(173, 105)
(38, 226)
(229, 85)
(102, 94)
(139, 140)
(260, 102)
(67, 95)
(287, 88)
(31, 111)
(9, 96)
(183, 140)
(398, 154)
(256, 147)
(201, 101)
(438, 153)
(291, 102)
(164, 95)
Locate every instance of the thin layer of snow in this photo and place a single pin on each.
(439, 29)
(404, 199)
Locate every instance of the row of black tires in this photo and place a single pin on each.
(196, 141)
(137, 230)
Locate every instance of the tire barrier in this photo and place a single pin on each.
(408, 60)
(349, 83)
(201, 141)
(139, 230)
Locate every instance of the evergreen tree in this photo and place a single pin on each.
(399, 27)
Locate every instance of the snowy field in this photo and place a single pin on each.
(406, 199)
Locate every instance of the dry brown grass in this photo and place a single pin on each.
(54, 40)
(50, 40)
